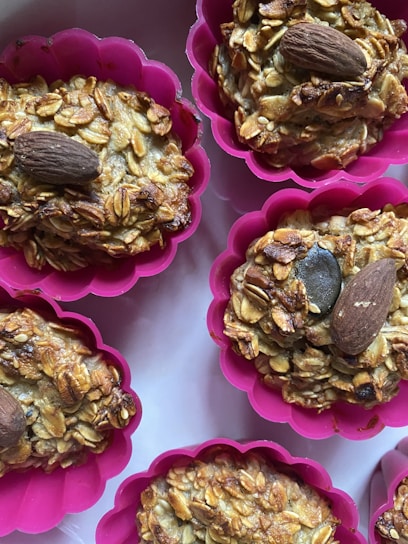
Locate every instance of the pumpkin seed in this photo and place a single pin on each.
(321, 274)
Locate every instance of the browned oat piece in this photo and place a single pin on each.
(232, 497)
(303, 115)
(392, 526)
(140, 196)
(279, 315)
(70, 395)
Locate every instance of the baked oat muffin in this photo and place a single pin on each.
(288, 300)
(66, 396)
(227, 496)
(101, 177)
(392, 525)
(311, 82)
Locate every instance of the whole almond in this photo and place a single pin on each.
(12, 419)
(54, 157)
(322, 49)
(362, 307)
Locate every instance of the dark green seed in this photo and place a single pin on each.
(321, 274)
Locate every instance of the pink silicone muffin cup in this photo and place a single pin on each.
(76, 51)
(203, 37)
(118, 525)
(34, 501)
(392, 469)
(351, 421)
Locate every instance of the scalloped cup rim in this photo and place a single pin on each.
(60, 56)
(117, 524)
(200, 42)
(350, 421)
(73, 489)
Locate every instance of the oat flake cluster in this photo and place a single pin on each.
(295, 116)
(274, 324)
(229, 497)
(70, 394)
(140, 197)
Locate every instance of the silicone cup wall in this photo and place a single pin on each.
(203, 37)
(33, 501)
(118, 525)
(76, 51)
(350, 421)
(392, 469)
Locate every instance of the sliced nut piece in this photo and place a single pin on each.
(53, 157)
(323, 49)
(12, 419)
(362, 307)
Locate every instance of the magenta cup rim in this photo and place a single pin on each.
(313, 473)
(61, 56)
(390, 471)
(202, 37)
(74, 489)
(349, 421)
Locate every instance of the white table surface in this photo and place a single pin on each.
(160, 324)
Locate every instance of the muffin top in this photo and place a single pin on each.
(319, 306)
(227, 495)
(66, 394)
(90, 171)
(311, 82)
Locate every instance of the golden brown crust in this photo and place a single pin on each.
(232, 497)
(70, 393)
(301, 117)
(139, 198)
